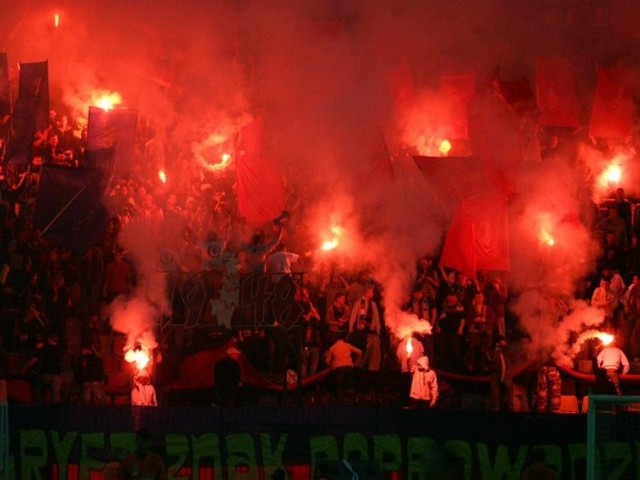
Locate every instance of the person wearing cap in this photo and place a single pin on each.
(424, 384)
(614, 362)
(365, 329)
(143, 394)
(500, 396)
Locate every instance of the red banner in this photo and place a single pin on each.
(612, 111)
(478, 238)
(260, 183)
(556, 93)
(458, 90)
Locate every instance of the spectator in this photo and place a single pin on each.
(143, 394)
(49, 368)
(424, 385)
(614, 362)
(337, 319)
(118, 278)
(89, 374)
(341, 357)
(450, 331)
(604, 299)
(256, 252)
(364, 330)
(501, 394)
(479, 326)
(420, 305)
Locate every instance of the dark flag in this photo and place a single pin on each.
(454, 176)
(69, 208)
(5, 93)
(34, 82)
(111, 132)
(381, 166)
(31, 111)
(23, 126)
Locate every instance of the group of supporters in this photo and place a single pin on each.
(461, 321)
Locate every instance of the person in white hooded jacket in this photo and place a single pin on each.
(143, 393)
(424, 384)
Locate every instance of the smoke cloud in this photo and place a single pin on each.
(318, 71)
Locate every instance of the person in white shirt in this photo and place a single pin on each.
(615, 363)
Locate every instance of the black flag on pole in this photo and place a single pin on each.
(34, 82)
(69, 208)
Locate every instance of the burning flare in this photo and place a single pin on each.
(409, 347)
(546, 238)
(604, 337)
(337, 232)
(611, 175)
(107, 101)
(56, 20)
(140, 356)
(162, 175)
(445, 147)
(225, 161)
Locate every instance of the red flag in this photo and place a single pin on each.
(556, 93)
(497, 139)
(260, 183)
(458, 252)
(612, 111)
(458, 90)
(401, 88)
(478, 238)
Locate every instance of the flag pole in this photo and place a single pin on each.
(63, 209)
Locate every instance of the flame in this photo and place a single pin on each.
(546, 238)
(225, 160)
(611, 175)
(56, 20)
(107, 101)
(604, 337)
(445, 147)
(409, 346)
(328, 245)
(162, 175)
(140, 356)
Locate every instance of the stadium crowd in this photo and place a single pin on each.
(56, 335)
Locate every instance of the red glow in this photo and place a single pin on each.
(332, 244)
(610, 176)
(546, 238)
(409, 347)
(140, 356)
(445, 147)
(107, 101)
